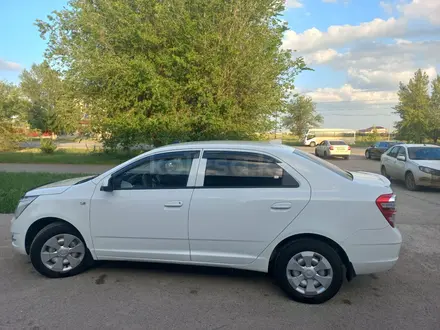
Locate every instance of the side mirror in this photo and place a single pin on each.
(401, 158)
(107, 186)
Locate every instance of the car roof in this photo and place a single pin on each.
(230, 145)
(418, 145)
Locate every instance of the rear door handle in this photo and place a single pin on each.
(281, 206)
(174, 204)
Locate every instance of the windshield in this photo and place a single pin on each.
(337, 143)
(325, 164)
(424, 153)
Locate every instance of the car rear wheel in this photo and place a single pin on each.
(383, 171)
(58, 250)
(325, 154)
(312, 144)
(346, 157)
(316, 153)
(309, 271)
(410, 182)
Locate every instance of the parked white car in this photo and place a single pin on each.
(256, 206)
(416, 164)
(333, 148)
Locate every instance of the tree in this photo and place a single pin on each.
(434, 111)
(157, 71)
(413, 108)
(53, 105)
(301, 115)
(13, 108)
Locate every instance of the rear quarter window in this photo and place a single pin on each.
(324, 164)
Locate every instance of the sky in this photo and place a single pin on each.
(359, 50)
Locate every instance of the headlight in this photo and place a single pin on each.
(429, 170)
(23, 204)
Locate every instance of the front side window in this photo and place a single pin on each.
(163, 171)
(244, 170)
(401, 152)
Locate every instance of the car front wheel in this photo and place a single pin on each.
(410, 182)
(58, 250)
(309, 271)
(367, 155)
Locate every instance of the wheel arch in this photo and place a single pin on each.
(350, 273)
(38, 225)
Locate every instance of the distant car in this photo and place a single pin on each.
(256, 206)
(333, 148)
(416, 164)
(376, 150)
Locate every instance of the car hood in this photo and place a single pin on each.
(56, 187)
(370, 179)
(435, 164)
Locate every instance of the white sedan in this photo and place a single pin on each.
(333, 148)
(418, 165)
(255, 206)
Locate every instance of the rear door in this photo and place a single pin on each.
(390, 160)
(241, 202)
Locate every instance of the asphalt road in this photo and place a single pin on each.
(151, 296)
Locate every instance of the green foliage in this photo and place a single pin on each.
(69, 156)
(434, 111)
(301, 115)
(47, 146)
(374, 136)
(54, 107)
(12, 114)
(413, 108)
(14, 185)
(152, 72)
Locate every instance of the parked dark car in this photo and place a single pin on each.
(377, 149)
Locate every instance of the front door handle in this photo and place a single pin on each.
(174, 204)
(281, 206)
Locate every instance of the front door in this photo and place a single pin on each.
(241, 202)
(145, 217)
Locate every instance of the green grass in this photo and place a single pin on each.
(65, 156)
(14, 185)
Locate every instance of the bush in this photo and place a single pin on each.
(47, 146)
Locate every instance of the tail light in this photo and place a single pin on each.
(387, 205)
(331, 148)
(349, 148)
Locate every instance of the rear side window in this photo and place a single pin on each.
(393, 152)
(244, 170)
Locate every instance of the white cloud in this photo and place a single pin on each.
(383, 79)
(339, 35)
(348, 93)
(422, 9)
(330, 1)
(387, 7)
(294, 4)
(9, 66)
(321, 56)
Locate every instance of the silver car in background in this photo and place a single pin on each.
(415, 164)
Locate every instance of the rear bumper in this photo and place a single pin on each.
(373, 251)
(340, 153)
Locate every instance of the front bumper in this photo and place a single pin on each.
(17, 237)
(427, 180)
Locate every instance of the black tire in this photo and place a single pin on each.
(325, 154)
(316, 246)
(367, 154)
(410, 182)
(312, 144)
(383, 171)
(316, 153)
(52, 230)
(346, 157)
